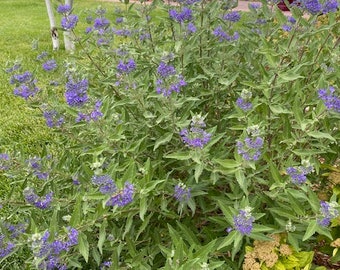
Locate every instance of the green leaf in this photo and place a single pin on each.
(163, 140)
(274, 172)
(198, 171)
(320, 135)
(179, 156)
(229, 81)
(311, 229)
(228, 240)
(83, 246)
(228, 163)
(277, 109)
(242, 181)
(76, 215)
(289, 76)
(102, 236)
(142, 208)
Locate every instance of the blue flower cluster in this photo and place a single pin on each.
(331, 100)
(118, 197)
(36, 165)
(25, 85)
(196, 136)
(298, 174)
(40, 202)
(10, 233)
(328, 212)
(69, 21)
(4, 161)
(243, 222)
(169, 80)
(184, 15)
(101, 29)
(53, 119)
(50, 65)
(182, 193)
(6, 247)
(250, 148)
(223, 36)
(316, 7)
(105, 265)
(94, 115)
(48, 254)
(232, 16)
(126, 67)
(243, 101)
(76, 92)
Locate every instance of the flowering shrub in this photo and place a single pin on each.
(183, 138)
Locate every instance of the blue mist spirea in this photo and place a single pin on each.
(42, 202)
(94, 115)
(182, 193)
(105, 265)
(185, 14)
(64, 9)
(286, 28)
(191, 28)
(100, 23)
(123, 196)
(195, 136)
(50, 65)
(126, 67)
(6, 247)
(15, 230)
(53, 119)
(328, 211)
(243, 102)
(4, 161)
(330, 6)
(250, 148)
(330, 99)
(312, 6)
(298, 174)
(42, 55)
(105, 183)
(224, 36)
(243, 222)
(36, 166)
(76, 92)
(69, 22)
(165, 70)
(232, 16)
(119, 20)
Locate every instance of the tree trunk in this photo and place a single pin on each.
(68, 35)
(54, 31)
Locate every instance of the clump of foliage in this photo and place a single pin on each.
(185, 134)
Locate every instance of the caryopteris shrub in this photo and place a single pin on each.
(187, 135)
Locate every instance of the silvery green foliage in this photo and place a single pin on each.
(159, 164)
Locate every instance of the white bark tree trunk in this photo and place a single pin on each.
(54, 31)
(68, 35)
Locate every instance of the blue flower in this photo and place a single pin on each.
(76, 92)
(243, 222)
(184, 15)
(165, 70)
(233, 16)
(223, 36)
(40, 202)
(6, 247)
(330, 6)
(330, 99)
(182, 193)
(122, 197)
(53, 119)
(250, 148)
(196, 136)
(298, 174)
(64, 9)
(328, 212)
(312, 6)
(126, 67)
(49, 65)
(69, 22)
(105, 183)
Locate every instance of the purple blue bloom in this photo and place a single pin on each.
(232, 16)
(100, 23)
(53, 119)
(223, 36)
(126, 67)
(4, 161)
(165, 70)
(184, 15)
(69, 22)
(312, 6)
(76, 92)
(243, 104)
(42, 55)
(36, 166)
(64, 9)
(243, 222)
(330, 6)
(105, 265)
(328, 211)
(182, 193)
(191, 28)
(286, 27)
(250, 148)
(6, 247)
(105, 183)
(298, 174)
(49, 65)
(94, 115)
(195, 136)
(330, 99)
(122, 197)
(40, 202)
